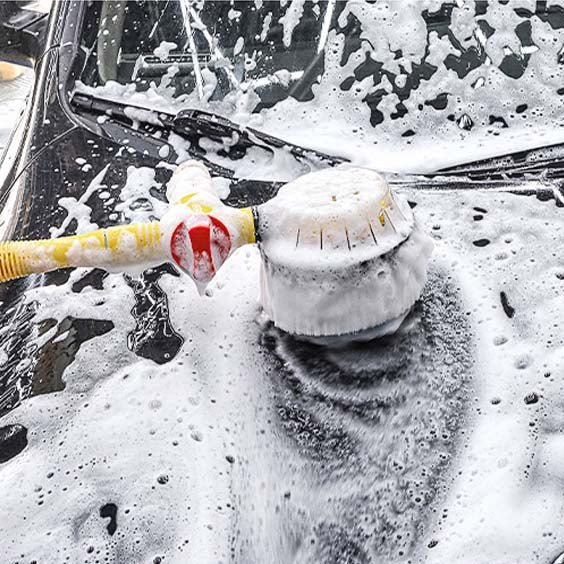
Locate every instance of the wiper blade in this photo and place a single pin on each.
(199, 123)
(219, 127)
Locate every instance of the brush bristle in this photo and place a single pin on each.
(341, 254)
(335, 301)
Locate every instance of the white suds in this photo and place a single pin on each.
(164, 49)
(195, 454)
(340, 255)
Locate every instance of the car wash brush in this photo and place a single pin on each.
(341, 253)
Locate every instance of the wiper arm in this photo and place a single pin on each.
(192, 122)
(128, 112)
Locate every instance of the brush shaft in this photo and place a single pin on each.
(111, 247)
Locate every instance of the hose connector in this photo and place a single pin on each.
(200, 229)
(197, 233)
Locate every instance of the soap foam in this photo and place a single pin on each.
(154, 440)
(397, 101)
(504, 503)
(341, 254)
(317, 472)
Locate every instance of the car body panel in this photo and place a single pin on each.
(146, 423)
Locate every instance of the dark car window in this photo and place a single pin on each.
(236, 42)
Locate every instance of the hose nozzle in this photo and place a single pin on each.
(202, 230)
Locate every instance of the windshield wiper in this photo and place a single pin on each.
(192, 123)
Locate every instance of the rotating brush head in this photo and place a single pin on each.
(341, 254)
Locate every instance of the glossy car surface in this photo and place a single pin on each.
(140, 422)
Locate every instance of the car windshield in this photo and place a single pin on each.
(404, 86)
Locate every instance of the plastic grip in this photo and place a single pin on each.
(14, 259)
(137, 243)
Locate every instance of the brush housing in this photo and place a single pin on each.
(340, 254)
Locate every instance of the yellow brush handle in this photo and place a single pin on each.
(137, 243)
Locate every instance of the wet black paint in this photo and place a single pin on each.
(353, 411)
(13, 439)
(154, 336)
(481, 242)
(509, 311)
(109, 511)
(531, 398)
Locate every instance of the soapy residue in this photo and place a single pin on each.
(442, 444)
(206, 458)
